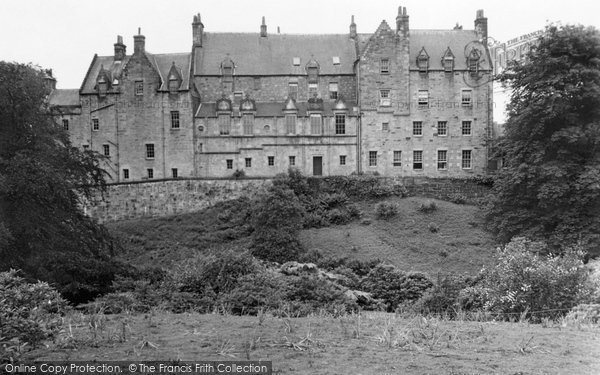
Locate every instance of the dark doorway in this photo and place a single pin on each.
(317, 165)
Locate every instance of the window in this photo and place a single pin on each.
(316, 124)
(95, 124)
(397, 159)
(442, 128)
(466, 128)
(224, 124)
(248, 162)
(384, 98)
(238, 96)
(385, 126)
(292, 161)
(340, 124)
(150, 173)
(229, 163)
(466, 97)
(139, 87)
(174, 173)
(86, 147)
(173, 85)
(125, 174)
(313, 90)
(248, 121)
(290, 124)
(106, 150)
(384, 66)
(333, 90)
(466, 159)
(271, 160)
(313, 74)
(293, 90)
(448, 64)
(149, 151)
(423, 97)
(418, 159)
(442, 159)
(200, 147)
(342, 159)
(296, 61)
(65, 124)
(372, 158)
(174, 119)
(336, 60)
(417, 128)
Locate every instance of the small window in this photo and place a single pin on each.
(174, 119)
(423, 97)
(340, 124)
(372, 158)
(385, 126)
(313, 90)
(466, 97)
(384, 66)
(125, 174)
(174, 173)
(466, 159)
(248, 162)
(397, 159)
(150, 173)
(95, 124)
(296, 61)
(224, 124)
(238, 96)
(448, 64)
(86, 147)
(417, 128)
(271, 160)
(149, 151)
(342, 159)
(316, 124)
(333, 90)
(336, 60)
(248, 123)
(293, 90)
(290, 124)
(229, 163)
(106, 150)
(418, 160)
(65, 123)
(466, 128)
(173, 85)
(442, 128)
(384, 98)
(292, 161)
(139, 87)
(313, 74)
(442, 159)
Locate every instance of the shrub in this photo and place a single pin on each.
(239, 173)
(457, 198)
(386, 210)
(442, 297)
(427, 207)
(262, 290)
(386, 282)
(339, 216)
(308, 294)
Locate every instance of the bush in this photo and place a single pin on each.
(457, 198)
(308, 294)
(386, 282)
(442, 297)
(427, 207)
(262, 290)
(29, 314)
(386, 210)
(239, 173)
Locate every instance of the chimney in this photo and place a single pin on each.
(263, 28)
(49, 80)
(120, 49)
(197, 31)
(139, 43)
(402, 22)
(481, 26)
(352, 28)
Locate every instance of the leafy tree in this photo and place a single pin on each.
(550, 186)
(43, 179)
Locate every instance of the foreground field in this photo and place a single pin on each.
(373, 343)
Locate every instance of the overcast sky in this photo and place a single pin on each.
(65, 34)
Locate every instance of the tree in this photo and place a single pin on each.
(549, 187)
(43, 179)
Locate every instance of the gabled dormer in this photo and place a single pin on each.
(423, 61)
(340, 105)
(312, 71)
(227, 69)
(448, 61)
(103, 81)
(473, 60)
(247, 105)
(224, 105)
(290, 106)
(174, 79)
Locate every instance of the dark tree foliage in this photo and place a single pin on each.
(42, 181)
(550, 186)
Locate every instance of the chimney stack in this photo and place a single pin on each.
(197, 31)
(120, 49)
(263, 28)
(139, 43)
(352, 28)
(481, 26)
(49, 80)
(402, 22)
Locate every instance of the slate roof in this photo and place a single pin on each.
(273, 109)
(273, 55)
(64, 98)
(161, 62)
(436, 42)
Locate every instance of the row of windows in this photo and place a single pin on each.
(175, 124)
(316, 124)
(150, 173)
(442, 128)
(385, 100)
(271, 161)
(442, 159)
(313, 89)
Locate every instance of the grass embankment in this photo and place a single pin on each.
(369, 343)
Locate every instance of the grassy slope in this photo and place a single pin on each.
(375, 343)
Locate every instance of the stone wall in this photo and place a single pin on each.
(168, 197)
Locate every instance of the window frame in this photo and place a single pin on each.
(415, 162)
(466, 100)
(248, 123)
(293, 90)
(106, 150)
(417, 130)
(342, 159)
(270, 160)
(247, 162)
(385, 126)
(445, 133)
(125, 173)
(384, 65)
(423, 100)
(385, 99)
(470, 159)
(340, 123)
(442, 164)
(138, 87)
(313, 89)
(229, 163)
(174, 173)
(397, 158)
(291, 123)
(334, 94)
(150, 151)
(65, 123)
(468, 126)
(150, 173)
(175, 123)
(224, 124)
(372, 158)
(292, 160)
(314, 126)
(95, 124)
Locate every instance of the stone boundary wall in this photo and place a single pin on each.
(167, 197)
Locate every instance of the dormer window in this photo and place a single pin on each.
(103, 81)
(448, 61)
(102, 87)
(473, 62)
(423, 61)
(174, 78)
(173, 85)
(312, 70)
(227, 70)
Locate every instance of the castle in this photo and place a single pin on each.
(398, 102)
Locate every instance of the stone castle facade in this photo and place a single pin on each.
(398, 102)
